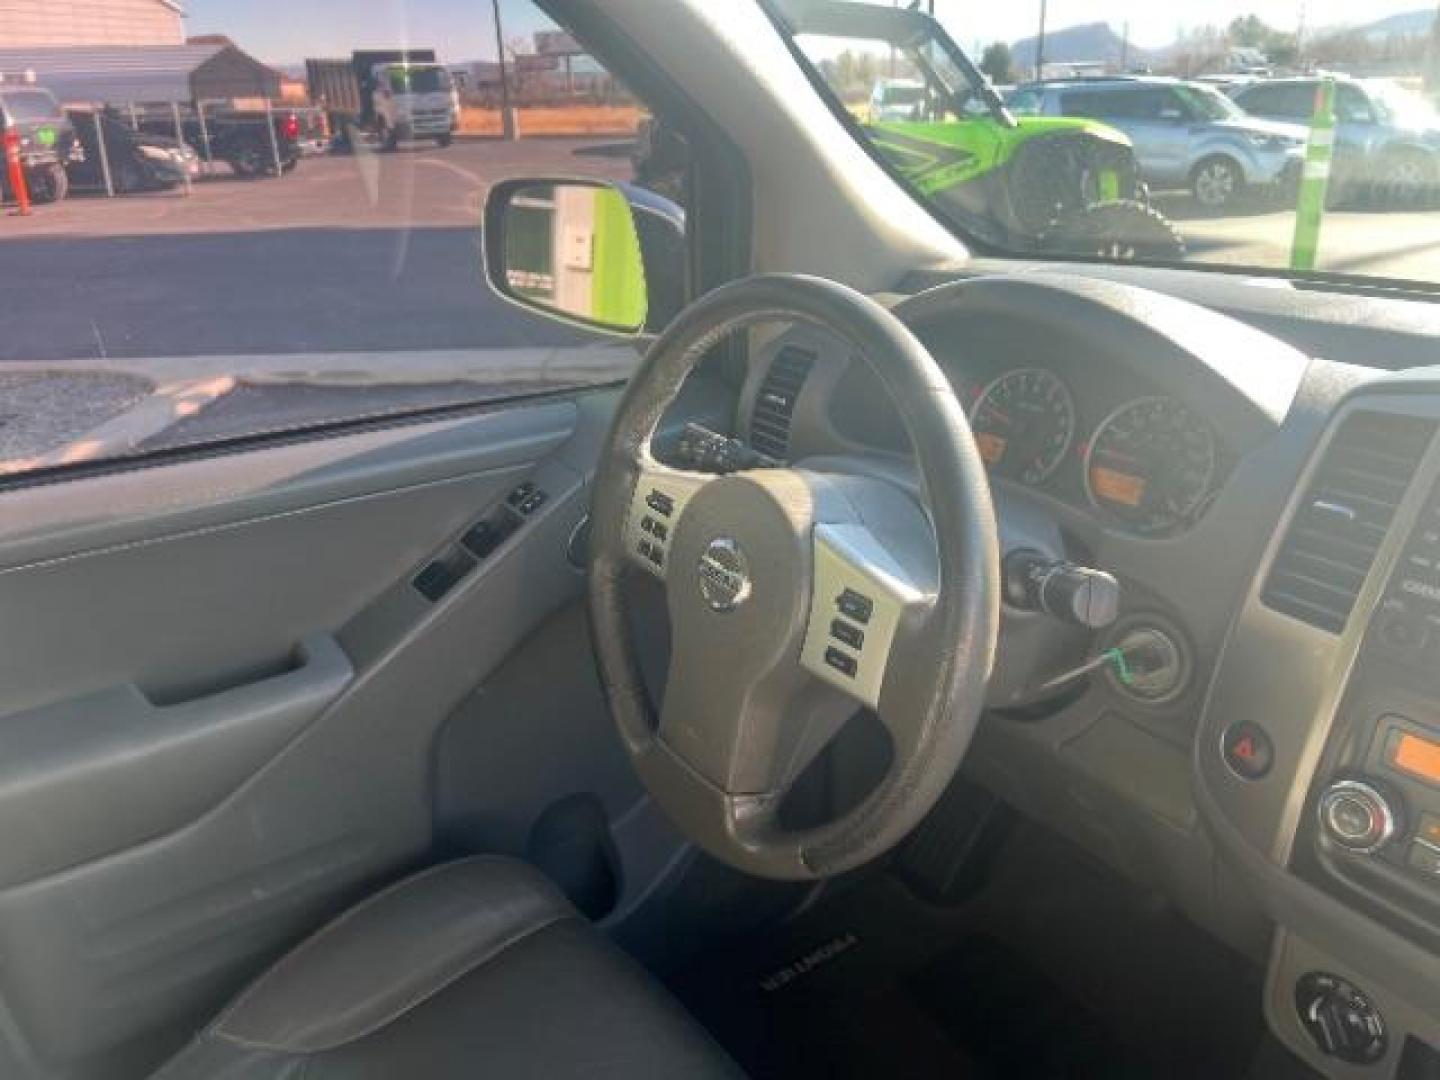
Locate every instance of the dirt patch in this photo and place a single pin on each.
(556, 120)
(41, 412)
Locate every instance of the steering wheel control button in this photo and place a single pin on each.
(1248, 750)
(1340, 1018)
(660, 502)
(861, 594)
(724, 575)
(854, 605)
(647, 524)
(1357, 816)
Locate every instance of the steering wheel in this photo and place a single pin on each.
(796, 597)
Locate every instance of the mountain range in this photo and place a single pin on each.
(1099, 41)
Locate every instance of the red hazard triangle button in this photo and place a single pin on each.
(1248, 750)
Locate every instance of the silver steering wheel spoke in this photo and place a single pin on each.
(862, 597)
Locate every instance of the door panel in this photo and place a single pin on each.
(218, 706)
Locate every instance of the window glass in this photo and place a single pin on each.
(1026, 103)
(1147, 160)
(263, 246)
(26, 105)
(1352, 105)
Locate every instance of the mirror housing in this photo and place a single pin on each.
(608, 257)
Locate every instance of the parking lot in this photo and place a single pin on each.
(369, 252)
(377, 252)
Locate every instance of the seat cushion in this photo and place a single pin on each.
(477, 968)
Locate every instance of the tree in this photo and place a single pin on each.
(1249, 31)
(997, 63)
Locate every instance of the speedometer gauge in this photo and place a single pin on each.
(1151, 464)
(1024, 423)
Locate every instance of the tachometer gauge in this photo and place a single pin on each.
(1024, 423)
(1151, 464)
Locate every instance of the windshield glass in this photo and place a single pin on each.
(28, 105)
(1398, 105)
(1112, 149)
(419, 80)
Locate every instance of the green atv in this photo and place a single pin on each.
(1049, 185)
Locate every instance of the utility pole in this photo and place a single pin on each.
(507, 117)
(1040, 45)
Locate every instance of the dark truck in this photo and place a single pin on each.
(47, 142)
(392, 94)
(238, 137)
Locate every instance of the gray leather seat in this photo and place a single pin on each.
(475, 969)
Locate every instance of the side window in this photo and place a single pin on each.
(287, 233)
(1352, 106)
(1262, 100)
(1105, 104)
(1168, 105)
(1026, 103)
(1289, 101)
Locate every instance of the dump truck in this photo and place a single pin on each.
(389, 94)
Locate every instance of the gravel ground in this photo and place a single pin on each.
(43, 412)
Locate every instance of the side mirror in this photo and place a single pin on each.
(586, 252)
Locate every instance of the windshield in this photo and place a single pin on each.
(1402, 107)
(26, 106)
(419, 80)
(1110, 153)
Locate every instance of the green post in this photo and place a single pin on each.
(1315, 181)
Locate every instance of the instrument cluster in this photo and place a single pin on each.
(1149, 464)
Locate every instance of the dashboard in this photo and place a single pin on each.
(1084, 430)
(1275, 519)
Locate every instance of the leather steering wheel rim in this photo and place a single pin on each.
(934, 686)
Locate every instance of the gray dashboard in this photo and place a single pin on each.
(1146, 783)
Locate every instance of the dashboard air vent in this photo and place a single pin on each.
(775, 403)
(1344, 517)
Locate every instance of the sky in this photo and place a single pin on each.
(285, 31)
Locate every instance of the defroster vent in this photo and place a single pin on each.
(1345, 517)
(775, 403)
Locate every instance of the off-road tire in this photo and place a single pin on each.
(1054, 176)
(1118, 231)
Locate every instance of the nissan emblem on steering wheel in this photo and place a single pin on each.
(724, 575)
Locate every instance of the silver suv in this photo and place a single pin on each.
(1186, 134)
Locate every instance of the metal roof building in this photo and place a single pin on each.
(27, 23)
(117, 74)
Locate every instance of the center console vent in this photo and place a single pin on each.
(775, 402)
(1345, 517)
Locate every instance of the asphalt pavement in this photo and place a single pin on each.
(380, 252)
(365, 253)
